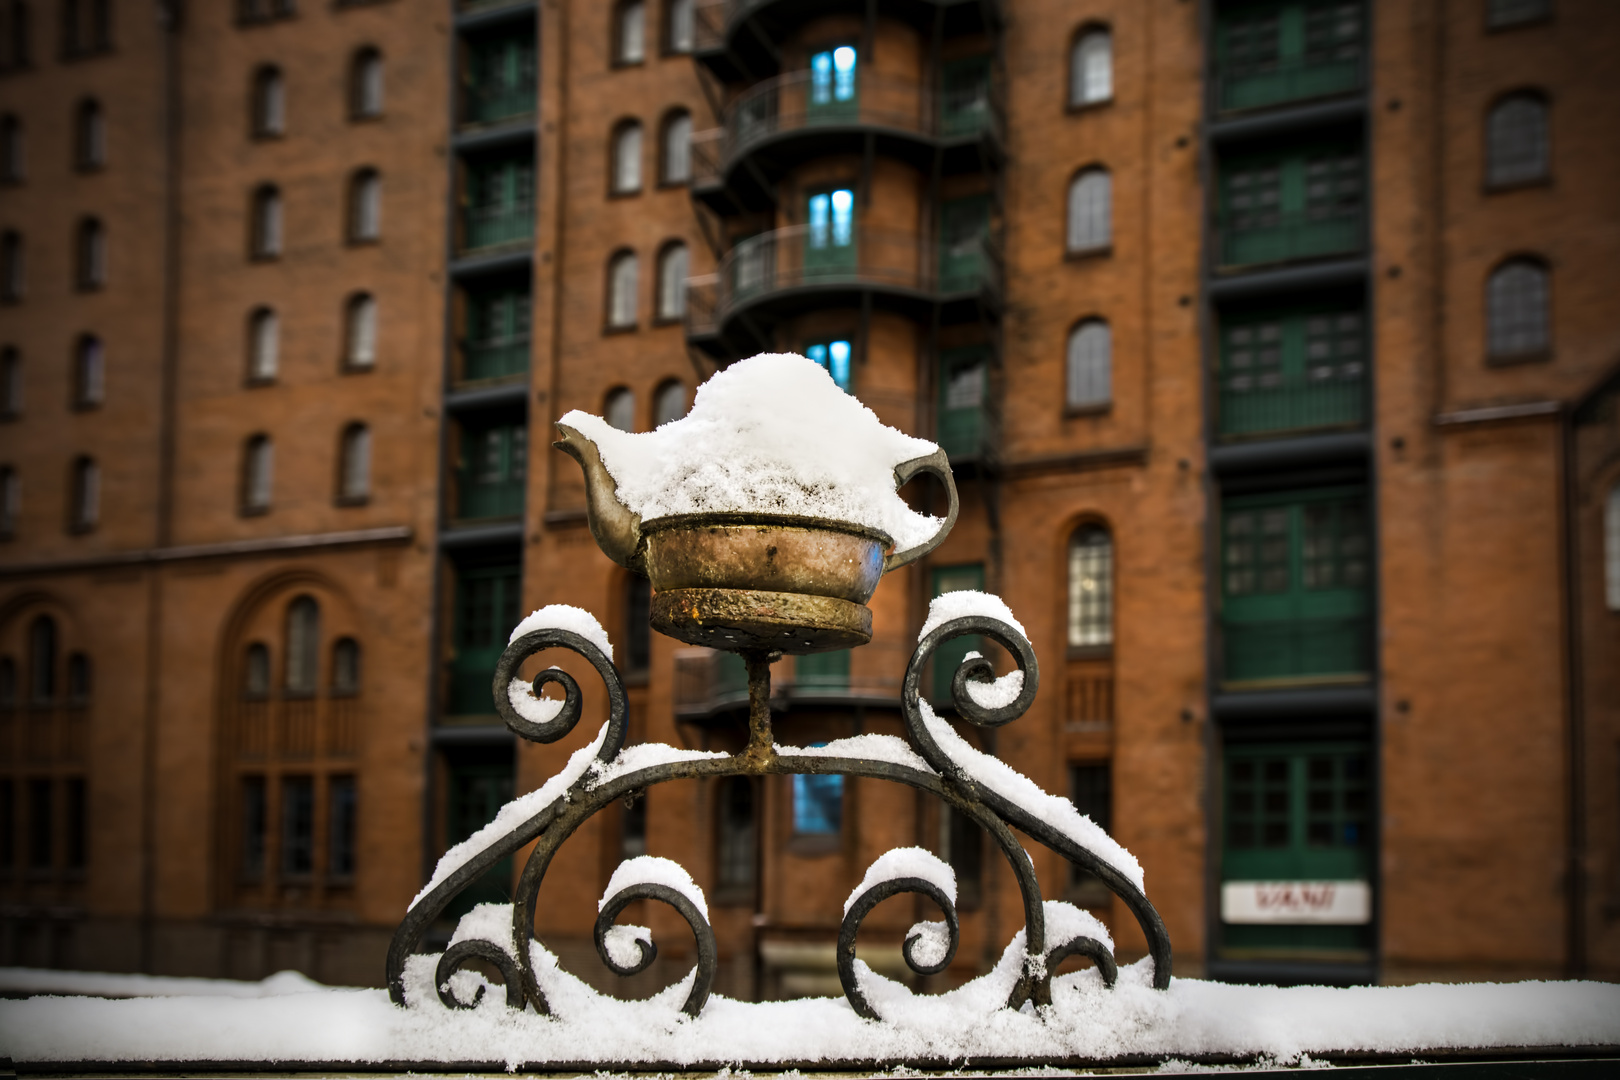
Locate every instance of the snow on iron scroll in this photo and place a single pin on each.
(764, 519)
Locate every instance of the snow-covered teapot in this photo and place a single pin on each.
(766, 516)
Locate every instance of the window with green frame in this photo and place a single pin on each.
(964, 376)
(499, 200)
(949, 656)
(1296, 585)
(964, 228)
(1292, 371)
(487, 603)
(964, 96)
(1299, 203)
(1270, 53)
(500, 76)
(822, 671)
(834, 84)
(1296, 812)
(479, 782)
(497, 340)
(494, 457)
(829, 239)
(837, 356)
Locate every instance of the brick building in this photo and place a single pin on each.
(1270, 343)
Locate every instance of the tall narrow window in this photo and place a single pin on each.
(297, 826)
(630, 32)
(365, 206)
(1611, 548)
(41, 829)
(354, 472)
(735, 849)
(76, 833)
(264, 345)
(962, 846)
(86, 494)
(678, 29)
(42, 661)
(1516, 311)
(637, 628)
(8, 684)
(1516, 141)
(675, 158)
(818, 803)
(360, 333)
(1091, 208)
(1091, 789)
(1090, 365)
(303, 645)
(633, 829)
(342, 808)
(91, 255)
(11, 383)
(669, 403)
(12, 160)
(835, 356)
(620, 409)
(256, 672)
(672, 265)
(266, 224)
(366, 85)
(8, 824)
(255, 818)
(99, 35)
(89, 136)
(10, 501)
(346, 667)
(269, 103)
(622, 272)
(89, 373)
(1091, 68)
(1091, 587)
(627, 158)
(13, 276)
(18, 44)
(258, 467)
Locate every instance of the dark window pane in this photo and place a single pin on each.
(964, 850)
(633, 829)
(8, 823)
(818, 804)
(735, 857)
(40, 826)
(342, 809)
(1276, 834)
(253, 827)
(297, 825)
(78, 836)
(637, 629)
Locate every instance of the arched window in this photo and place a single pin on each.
(675, 148)
(622, 272)
(1090, 365)
(269, 103)
(360, 332)
(8, 684)
(91, 255)
(303, 645)
(256, 672)
(11, 383)
(89, 136)
(346, 667)
(85, 510)
(89, 374)
(620, 409)
(264, 345)
(626, 158)
(672, 263)
(354, 468)
(365, 206)
(678, 26)
(258, 473)
(10, 501)
(1091, 209)
(78, 679)
(12, 160)
(1516, 141)
(1516, 311)
(266, 226)
(366, 85)
(669, 403)
(12, 271)
(630, 32)
(1091, 587)
(1091, 67)
(42, 661)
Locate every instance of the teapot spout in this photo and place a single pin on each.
(616, 529)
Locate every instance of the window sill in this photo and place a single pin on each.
(268, 136)
(630, 193)
(253, 511)
(244, 22)
(1078, 412)
(366, 118)
(621, 65)
(629, 328)
(1075, 108)
(733, 896)
(815, 845)
(89, 168)
(1518, 24)
(258, 382)
(85, 287)
(264, 257)
(674, 185)
(351, 500)
(668, 320)
(81, 528)
(86, 406)
(364, 241)
(1505, 187)
(1083, 254)
(1091, 652)
(1515, 359)
(346, 368)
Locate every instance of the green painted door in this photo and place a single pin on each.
(964, 96)
(834, 86)
(823, 671)
(829, 242)
(500, 77)
(487, 605)
(1293, 370)
(1296, 583)
(964, 376)
(478, 788)
(949, 656)
(494, 461)
(500, 201)
(964, 225)
(498, 322)
(1296, 812)
(1300, 203)
(1269, 53)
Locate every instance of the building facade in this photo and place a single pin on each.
(1268, 341)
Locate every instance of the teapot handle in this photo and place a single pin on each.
(938, 465)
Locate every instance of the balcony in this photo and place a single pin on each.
(777, 124)
(774, 275)
(1275, 404)
(491, 103)
(1281, 82)
(1303, 649)
(710, 684)
(494, 359)
(1261, 238)
(496, 226)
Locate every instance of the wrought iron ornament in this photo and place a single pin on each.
(944, 777)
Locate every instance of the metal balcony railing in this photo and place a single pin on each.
(1259, 85)
(1260, 237)
(491, 226)
(1258, 404)
(493, 102)
(495, 358)
(798, 257)
(1297, 648)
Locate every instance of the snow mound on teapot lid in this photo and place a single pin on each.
(772, 434)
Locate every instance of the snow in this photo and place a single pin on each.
(623, 943)
(907, 862)
(536, 710)
(771, 434)
(966, 602)
(1065, 922)
(933, 942)
(487, 922)
(652, 870)
(1012, 785)
(20, 980)
(889, 748)
(999, 693)
(565, 617)
(1086, 1022)
(645, 756)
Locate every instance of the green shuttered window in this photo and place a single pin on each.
(1271, 54)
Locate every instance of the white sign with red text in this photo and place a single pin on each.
(1338, 903)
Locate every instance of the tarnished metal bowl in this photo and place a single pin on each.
(808, 556)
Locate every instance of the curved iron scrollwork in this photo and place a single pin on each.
(950, 770)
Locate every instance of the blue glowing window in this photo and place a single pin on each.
(832, 76)
(835, 357)
(818, 804)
